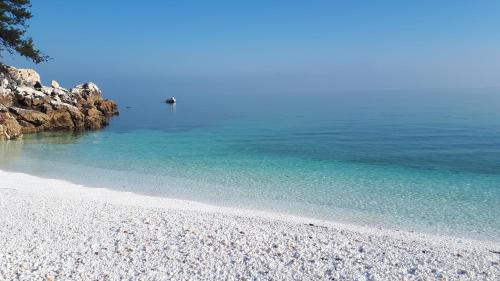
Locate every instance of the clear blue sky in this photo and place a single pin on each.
(297, 44)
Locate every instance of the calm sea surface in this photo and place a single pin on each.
(414, 160)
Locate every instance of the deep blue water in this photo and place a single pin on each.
(415, 160)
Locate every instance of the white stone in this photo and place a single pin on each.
(56, 99)
(60, 92)
(52, 229)
(5, 83)
(4, 91)
(47, 90)
(54, 84)
(27, 76)
(90, 86)
(28, 91)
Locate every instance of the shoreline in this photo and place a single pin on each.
(51, 193)
(53, 187)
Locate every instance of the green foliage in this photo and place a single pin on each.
(13, 17)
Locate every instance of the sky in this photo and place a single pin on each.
(271, 44)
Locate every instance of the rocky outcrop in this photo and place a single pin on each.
(26, 106)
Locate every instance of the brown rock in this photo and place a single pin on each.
(77, 116)
(9, 127)
(86, 94)
(26, 106)
(108, 107)
(95, 119)
(46, 108)
(6, 98)
(34, 117)
(93, 112)
(29, 128)
(61, 120)
(37, 102)
(66, 118)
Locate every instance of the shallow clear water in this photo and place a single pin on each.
(420, 160)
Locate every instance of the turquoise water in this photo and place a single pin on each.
(414, 160)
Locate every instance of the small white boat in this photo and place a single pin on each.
(171, 100)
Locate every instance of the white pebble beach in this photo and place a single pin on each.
(56, 230)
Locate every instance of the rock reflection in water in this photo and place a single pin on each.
(54, 137)
(10, 150)
(13, 149)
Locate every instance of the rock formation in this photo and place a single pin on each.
(26, 106)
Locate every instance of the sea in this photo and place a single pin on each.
(414, 160)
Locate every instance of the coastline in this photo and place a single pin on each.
(347, 251)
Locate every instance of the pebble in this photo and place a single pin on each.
(53, 230)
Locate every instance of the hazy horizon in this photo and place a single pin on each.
(288, 46)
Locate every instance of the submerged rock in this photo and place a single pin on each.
(26, 106)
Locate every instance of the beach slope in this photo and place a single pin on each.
(55, 230)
